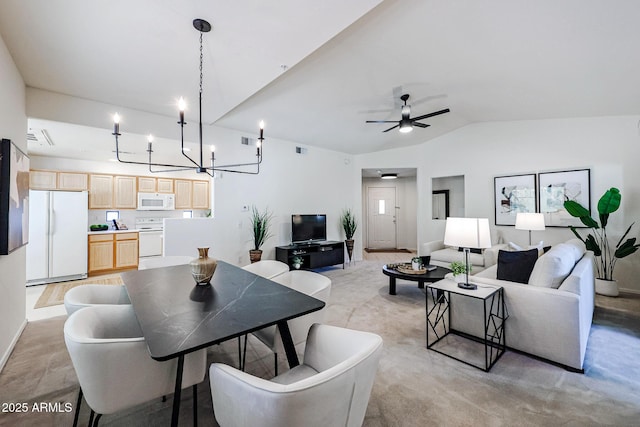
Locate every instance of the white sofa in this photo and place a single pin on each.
(443, 256)
(550, 317)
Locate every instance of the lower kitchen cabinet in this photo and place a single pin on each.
(112, 252)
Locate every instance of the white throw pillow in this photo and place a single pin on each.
(554, 266)
(514, 247)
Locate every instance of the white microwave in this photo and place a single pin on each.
(156, 202)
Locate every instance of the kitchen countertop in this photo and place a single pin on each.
(112, 231)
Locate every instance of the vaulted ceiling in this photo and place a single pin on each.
(316, 71)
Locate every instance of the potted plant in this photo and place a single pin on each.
(260, 226)
(349, 224)
(416, 262)
(597, 241)
(296, 261)
(459, 270)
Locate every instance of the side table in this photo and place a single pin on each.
(438, 308)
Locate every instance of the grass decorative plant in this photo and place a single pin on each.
(349, 223)
(597, 241)
(260, 225)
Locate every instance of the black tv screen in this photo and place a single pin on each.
(307, 228)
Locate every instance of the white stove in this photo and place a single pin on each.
(150, 231)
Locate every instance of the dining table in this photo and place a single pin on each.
(178, 316)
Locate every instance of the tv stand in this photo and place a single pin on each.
(313, 254)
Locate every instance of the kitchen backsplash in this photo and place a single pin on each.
(128, 217)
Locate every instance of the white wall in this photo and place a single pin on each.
(609, 146)
(13, 125)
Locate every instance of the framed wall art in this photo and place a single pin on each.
(513, 194)
(14, 198)
(556, 188)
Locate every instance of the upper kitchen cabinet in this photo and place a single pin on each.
(73, 181)
(125, 194)
(100, 191)
(200, 195)
(52, 180)
(147, 184)
(184, 193)
(165, 185)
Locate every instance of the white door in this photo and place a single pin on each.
(381, 218)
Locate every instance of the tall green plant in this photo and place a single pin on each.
(597, 242)
(260, 225)
(349, 223)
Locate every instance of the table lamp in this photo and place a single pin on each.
(467, 233)
(529, 221)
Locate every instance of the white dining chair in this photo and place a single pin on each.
(94, 294)
(112, 362)
(267, 268)
(330, 388)
(306, 282)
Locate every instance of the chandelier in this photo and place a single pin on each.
(198, 165)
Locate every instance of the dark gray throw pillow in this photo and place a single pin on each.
(516, 266)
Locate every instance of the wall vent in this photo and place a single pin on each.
(247, 141)
(39, 136)
(301, 150)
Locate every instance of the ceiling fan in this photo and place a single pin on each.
(406, 123)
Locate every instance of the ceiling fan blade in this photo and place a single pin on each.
(420, 125)
(381, 121)
(393, 127)
(446, 110)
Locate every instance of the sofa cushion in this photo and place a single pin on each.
(516, 266)
(555, 265)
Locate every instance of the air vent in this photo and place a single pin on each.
(247, 141)
(39, 136)
(301, 150)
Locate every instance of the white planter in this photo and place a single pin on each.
(460, 278)
(607, 287)
(415, 265)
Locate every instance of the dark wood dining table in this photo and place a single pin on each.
(178, 317)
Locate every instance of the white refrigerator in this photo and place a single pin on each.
(57, 248)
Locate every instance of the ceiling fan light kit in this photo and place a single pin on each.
(406, 123)
(203, 27)
(389, 176)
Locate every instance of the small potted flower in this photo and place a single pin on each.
(459, 270)
(416, 263)
(296, 261)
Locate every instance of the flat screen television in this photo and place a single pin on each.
(308, 228)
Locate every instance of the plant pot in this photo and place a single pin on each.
(607, 287)
(255, 255)
(296, 266)
(349, 243)
(460, 278)
(203, 267)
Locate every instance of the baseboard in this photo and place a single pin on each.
(14, 341)
(629, 291)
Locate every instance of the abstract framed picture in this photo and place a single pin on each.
(14, 198)
(558, 187)
(513, 194)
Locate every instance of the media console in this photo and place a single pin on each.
(314, 255)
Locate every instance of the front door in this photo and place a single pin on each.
(381, 218)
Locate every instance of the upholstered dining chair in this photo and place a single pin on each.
(267, 268)
(309, 283)
(330, 388)
(93, 294)
(112, 362)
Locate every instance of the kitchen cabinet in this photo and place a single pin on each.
(146, 184)
(165, 185)
(200, 195)
(100, 191)
(73, 181)
(111, 252)
(184, 192)
(42, 180)
(125, 194)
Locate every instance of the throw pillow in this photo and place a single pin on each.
(555, 265)
(514, 247)
(516, 266)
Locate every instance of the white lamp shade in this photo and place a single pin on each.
(467, 233)
(529, 221)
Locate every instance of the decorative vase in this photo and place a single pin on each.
(255, 255)
(203, 267)
(607, 287)
(349, 243)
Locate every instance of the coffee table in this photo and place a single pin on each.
(429, 276)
